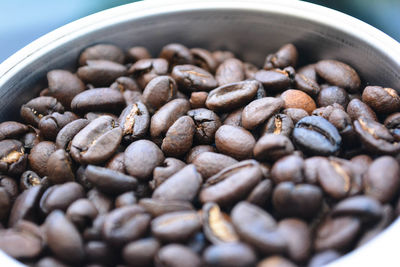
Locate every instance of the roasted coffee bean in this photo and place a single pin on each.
(284, 57)
(10, 186)
(136, 53)
(249, 70)
(109, 181)
(26, 205)
(81, 212)
(5, 204)
(307, 84)
(356, 109)
(59, 167)
(183, 185)
(298, 99)
(275, 261)
(99, 252)
(339, 74)
(198, 99)
(260, 110)
(31, 138)
(13, 159)
(125, 224)
(146, 69)
(295, 114)
(191, 78)
(197, 150)
(98, 99)
(392, 122)
(222, 55)
(50, 262)
(125, 199)
(179, 137)
(234, 118)
(91, 116)
(230, 71)
(231, 96)
(375, 137)
(382, 179)
(382, 100)
(176, 226)
(167, 115)
(206, 124)
(11, 129)
(175, 255)
(234, 141)
(141, 252)
(141, 157)
(316, 136)
(50, 125)
(158, 92)
(278, 124)
(39, 156)
(298, 238)
(336, 233)
(258, 228)
(102, 51)
(204, 59)
(323, 258)
(101, 72)
(97, 142)
(158, 207)
(302, 200)
(134, 121)
(289, 168)
(39, 107)
(271, 147)
(228, 255)
(364, 207)
(102, 202)
(176, 54)
(210, 163)
(231, 184)
(63, 238)
(124, 84)
(274, 80)
(82, 179)
(331, 95)
(64, 86)
(169, 167)
(217, 226)
(260, 195)
(311, 166)
(60, 197)
(117, 163)
(67, 133)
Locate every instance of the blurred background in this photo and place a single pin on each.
(23, 21)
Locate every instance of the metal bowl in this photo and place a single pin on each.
(250, 28)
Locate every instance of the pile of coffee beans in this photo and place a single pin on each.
(196, 158)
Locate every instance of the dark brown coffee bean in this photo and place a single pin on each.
(278, 124)
(176, 226)
(231, 96)
(336, 233)
(229, 255)
(102, 51)
(375, 137)
(198, 99)
(274, 80)
(13, 159)
(197, 150)
(132, 97)
(67, 133)
(175, 255)
(125, 199)
(284, 57)
(39, 156)
(260, 110)
(260, 195)
(295, 114)
(361, 163)
(210, 163)
(298, 238)
(183, 185)
(323, 258)
(169, 167)
(382, 100)
(60, 197)
(102, 202)
(136, 53)
(81, 212)
(331, 95)
(11, 129)
(26, 205)
(64, 86)
(339, 74)
(63, 238)
(124, 84)
(141, 157)
(97, 142)
(117, 163)
(167, 115)
(311, 166)
(306, 84)
(191, 78)
(157, 207)
(392, 122)
(50, 262)
(5, 204)
(110, 181)
(222, 55)
(144, 70)
(59, 167)
(249, 70)
(98, 99)
(20, 244)
(230, 71)
(316, 136)
(158, 92)
(276, 261)
(356, 109)
(134, 121)
(382, 180)
(99, 252)
(271, 147)
(364, 207)
(50, 125)
(141, 253)
(179, 137)
(298, 99)
(125, 224)
(39, 107)
(258, 228)
(289, 168)
(10, 186)
(207, 123)
(176, 54)
(30, 179)
(234, 141)
(101, 72)
(217, 226)
(204, 59)
(301, 200)
(231, 184)
(234, 118)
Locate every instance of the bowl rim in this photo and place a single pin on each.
(379, 252)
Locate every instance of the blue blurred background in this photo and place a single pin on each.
(22, 21)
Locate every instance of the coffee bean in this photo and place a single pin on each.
(323, 258)
(136, 53)
(210, 163)
(81, 212)
(197, 150)
(179, 137)
(234, 118)
(102, 51)
(198, 99)
(331, 95)
(206, 124)
(10, 186)
(134, 121)
(141, 253)
(230, 71)
(176, 54)
(176, 255)
(20, 244)
(339, 74)
(131, 97)
(26, 205)
(12, 157)
(260, 195)
(284, 57)
(39, 156)
(295, 114)
(67, 133)
(275, 261)
(158, 92)
(99, 99)
(317, 136)
(102, 202)
(236, 254)
(5, 204)
(289, 168)
(249, 70)
(234, 141)
(100, 72)
(356, 109)
(50, 125)
(146, 69)
(125, 199)
(382, 100)
(307, 84)
(221, 55)
(298, 99)
(274, 80)
(364, 207)
(124, 84)
(117, 163)
(169, 167)
(271, 147)
(11, 129)
(204, 59)
(100, 253)
(231, 184)
(59, 167)
(191, 78)
(39, 107)
(50, 262)
(158, 207)
(260, 110)
(278, 124)
(392, 122)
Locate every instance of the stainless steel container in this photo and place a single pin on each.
(250, 28)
